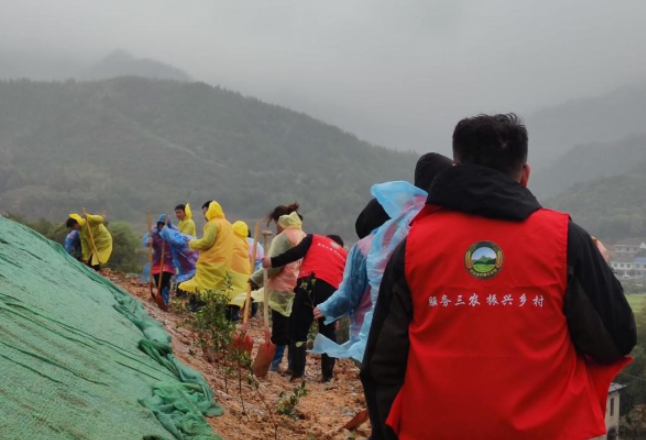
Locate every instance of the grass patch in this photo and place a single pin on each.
(636, 301)
(484, 268)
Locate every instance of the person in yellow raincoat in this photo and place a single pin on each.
(96, 241)
(186, 225)
(281, 280)
(216, 254)
(240, 265)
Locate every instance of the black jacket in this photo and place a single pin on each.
(601, 323)
(294, 254)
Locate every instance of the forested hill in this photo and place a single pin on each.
(588, 162)
(604, 119)
(132, 144)
(608, 207)
(602, 186)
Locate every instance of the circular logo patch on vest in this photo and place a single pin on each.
(484, 259)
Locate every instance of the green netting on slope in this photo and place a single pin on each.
(80, 359)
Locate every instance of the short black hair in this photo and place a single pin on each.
(428, 166)
(498, 142)
(70, 223)
(336, 239)
(181, 207)
(206, 204)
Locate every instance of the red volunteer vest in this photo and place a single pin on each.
(326, 260)
(491, 356)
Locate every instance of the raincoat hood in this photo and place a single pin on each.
(80, 220)
(241, 229)
(372, 216)
(290, 221)
(162, 219)
(214, 211)
(189, 213)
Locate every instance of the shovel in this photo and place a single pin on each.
(242, 340)
(151, 283)
(266, 350)
(89, 232)
(159, 299)
(357, 420)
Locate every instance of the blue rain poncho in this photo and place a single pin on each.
(184, 259)
(73, 244)
(402, 201)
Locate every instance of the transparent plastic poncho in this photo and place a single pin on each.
(402, 202)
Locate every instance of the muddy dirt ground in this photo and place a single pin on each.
(322, 413)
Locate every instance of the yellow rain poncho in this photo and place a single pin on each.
(216, 253)
(282, 280)
(240, 264)
(187, 226)
(101, 236)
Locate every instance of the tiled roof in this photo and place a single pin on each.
(633, 242)
(616, 387)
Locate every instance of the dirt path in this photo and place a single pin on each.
(322, 413)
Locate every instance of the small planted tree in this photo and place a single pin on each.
(214, 333)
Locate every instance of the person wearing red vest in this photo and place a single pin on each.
(319, 277)
(497, 319)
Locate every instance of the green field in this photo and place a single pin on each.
(484, 268)
(636, 301)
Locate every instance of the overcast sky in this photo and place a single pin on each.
(397, 73)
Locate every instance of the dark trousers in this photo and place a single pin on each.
(96, 267)
(309, 293)
(166, 277)
(165, 285)
(308, 296)
(234, 313)
(279, 328)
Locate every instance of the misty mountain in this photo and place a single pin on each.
(587, 162)
(608, 207)
(603, 119)
(47, 67)
(130, 145)
(40, 67)
(121, 63)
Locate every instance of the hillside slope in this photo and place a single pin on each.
(606, 118)
(131, 144)
(588, 162)
(608, 207)
(120, 63)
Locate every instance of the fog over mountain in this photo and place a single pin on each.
(395, 74)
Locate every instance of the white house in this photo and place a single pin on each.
(612, 412)
(625, 262)
(629, 248)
